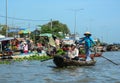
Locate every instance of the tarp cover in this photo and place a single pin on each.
(6, 38)
(46, 34)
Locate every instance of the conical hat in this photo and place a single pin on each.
(87, 33)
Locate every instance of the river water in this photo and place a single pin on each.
(46, 72)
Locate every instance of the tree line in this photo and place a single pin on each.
(55, 27)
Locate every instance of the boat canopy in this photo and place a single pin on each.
(6, 38)
(46, 34)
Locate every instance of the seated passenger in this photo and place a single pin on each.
(73, 52)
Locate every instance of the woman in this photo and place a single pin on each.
(25, 47)
(88, 44)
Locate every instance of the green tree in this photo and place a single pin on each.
(3, 29)
(55, 27)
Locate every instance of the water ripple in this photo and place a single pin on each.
(46, 72)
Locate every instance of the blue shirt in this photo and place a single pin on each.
(88, 41)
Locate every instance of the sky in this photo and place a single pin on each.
(100, 17)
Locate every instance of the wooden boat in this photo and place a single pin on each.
(61, 61)
(92, 55)
(6, 55)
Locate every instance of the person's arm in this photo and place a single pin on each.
(93, 42)
(82, 39)
(70, 54)
(76, 52)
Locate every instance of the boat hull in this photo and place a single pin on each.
(60, 61)
(92, 55)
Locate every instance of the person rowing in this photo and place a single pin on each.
(88, 44)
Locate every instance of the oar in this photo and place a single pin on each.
(105, 57)
(46, 59)
(110, 60)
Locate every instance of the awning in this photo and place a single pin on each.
(46, 34)
(24, 32)
(6, 38)
(2, 36)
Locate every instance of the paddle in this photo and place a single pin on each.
(110, 60)
(46, 59)
(105, 57)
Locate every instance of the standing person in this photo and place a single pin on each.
(57, 42)
(21, 46)
(25, 47)
(88, 44)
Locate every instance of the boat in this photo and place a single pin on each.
(91, 55)
(6, 55)
(61, 61)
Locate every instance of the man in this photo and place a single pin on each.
(88, 44)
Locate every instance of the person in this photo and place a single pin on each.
(25, 47)
(88, 44)
(20, 46)
(73, 52)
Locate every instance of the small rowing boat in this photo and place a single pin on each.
(60, 61)
(92, 55)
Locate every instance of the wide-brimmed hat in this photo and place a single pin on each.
(25, 42)
(87, 33)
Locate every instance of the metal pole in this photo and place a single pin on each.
(51, 25)
(75, 12)
(75, 26)
(29, 30)
(6, 21)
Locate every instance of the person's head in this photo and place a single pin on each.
(87, 34)
(73, 46)
(25, 43)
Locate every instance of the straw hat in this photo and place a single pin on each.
(87, 33)
(25, 42)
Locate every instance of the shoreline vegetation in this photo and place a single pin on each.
(29, 58)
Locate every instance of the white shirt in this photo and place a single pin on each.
(73, 53)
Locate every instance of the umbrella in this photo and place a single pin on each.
(46, 34)
(24, 32)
